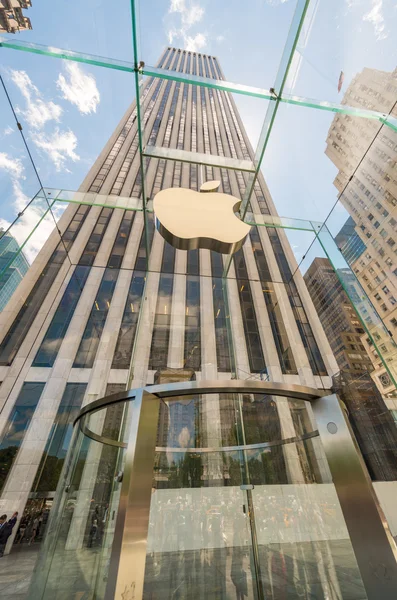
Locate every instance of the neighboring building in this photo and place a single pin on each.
(103, 322)
(337, 315)
(13, 267)
(12, 18)
(356, 145)
(349, 242)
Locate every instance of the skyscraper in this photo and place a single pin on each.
(12, 18)
(90, 318)
(337, 315)
(367, 156)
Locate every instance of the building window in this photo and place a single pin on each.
(16, 426)
(51, 464)
(391, 242)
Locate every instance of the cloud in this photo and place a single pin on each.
(79, 88)
(7, 131)
(196, 43)
(13, 166)
(190, 14)
(38, 111)
(376, 18)
(59, 146)
(26, 223)
(220, 38)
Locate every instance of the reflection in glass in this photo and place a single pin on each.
(17, 425)
(23, 321)
(53, 459)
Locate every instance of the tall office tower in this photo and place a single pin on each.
(13, 266)
(349, 242)
(90, 319)
(12, 18)
(371, 196)
(337, 315)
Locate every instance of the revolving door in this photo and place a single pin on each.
(215, 490)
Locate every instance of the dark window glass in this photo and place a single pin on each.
(51, 343)
(221, 315)
(281, 340)
(125, 341)
(51, 464)
(312, 350)
(252, 338)
(161, 328)
(22, 323)
(56, 332)
(16, 426)
(96, 321)
(192, 348)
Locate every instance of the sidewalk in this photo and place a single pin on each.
(16, 571)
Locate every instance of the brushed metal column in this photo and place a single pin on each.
(372, 543)
(128, 558)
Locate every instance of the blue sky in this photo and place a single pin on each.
(68, 111)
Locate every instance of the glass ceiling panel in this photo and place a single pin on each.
(306, 151)
(340, 39)
(93, 26)
(248, 42)
(18, 181)
(67, 115)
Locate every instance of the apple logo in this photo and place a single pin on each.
(188, 219)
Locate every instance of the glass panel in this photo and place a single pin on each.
(84, 28)
(55, 269)
(16, 426)
(68, 111)
(208, 29)
(19, 182)
(198, 158)
(76, 551)
(94, 199)
(375, 327)
(303, 543)
(323, 65)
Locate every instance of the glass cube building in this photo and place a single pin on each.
(175, 420)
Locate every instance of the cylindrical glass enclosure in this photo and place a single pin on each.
(241, 504)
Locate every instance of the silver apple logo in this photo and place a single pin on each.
(188, 219)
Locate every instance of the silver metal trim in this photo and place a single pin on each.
(228, 386)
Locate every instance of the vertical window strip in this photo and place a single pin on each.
(127, 163)
(126, 166)
(206, 134)
(193, 168)
(58, 440)
(192, 345)
(56, 332)
(96, 321)
(16, 426)
(27, 314)
(129, 322)
(306, 333)
(177, 176)
(251, 331)
(162, 322)
(220, 316)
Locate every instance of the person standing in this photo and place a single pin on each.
(35, 527)
(5, 532)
